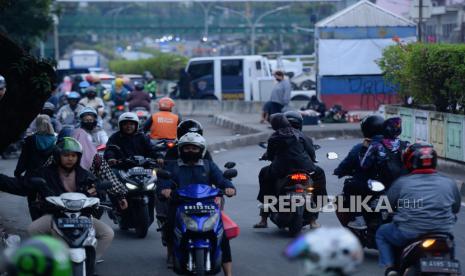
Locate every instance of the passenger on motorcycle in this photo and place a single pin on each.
(318, 176)
(287, 151)
(68, 114)
(91, 100)
(425, 202)
(49, 110)
(118, 93)
(192, 168)
(184, 127)
(163, 124)
(66, 175)
(371, 126)
(139, 98)
(88, 121)
(130, 141)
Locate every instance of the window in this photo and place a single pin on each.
(232, 79)
(199, 69)
(258, 65)
(231, 67)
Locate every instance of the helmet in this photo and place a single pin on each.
(192, 138)
(278, 120)
(372, 125)
(392, 127)
(119, 82)
(166, 104)
(86, 111)
(2, 82)
(73, 96)
(420, 156)
(66, 131)
(295, 119)
(41, 255)
(91, 89)
(189, 126)
(128, 116)
(84, 84)
(139, 86)
(327, 251)
(89, 78)
(69, 144)
(48, 106)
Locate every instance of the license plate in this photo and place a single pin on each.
(74, 223)
(439, 266)
(199, 209)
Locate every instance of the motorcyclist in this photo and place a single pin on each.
(49, 110)
(139, 98)
(426, 202)
(318, 176)
(384, 155)
(2, 87)
(68, 114)
(192, 168)
(184, 127)
(119, 93)
(150, 84)
(66, 175)
(88, 121)
(50, 256)
(163, 124)
(286, 153)
(129, 140)
(327, 252)
(92, 100)
(371, 126)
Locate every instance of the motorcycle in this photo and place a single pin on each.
(143, 115)
(431, 254)
(72, 221)
(116, 111)
(163, 145)
(198, 227)
(295, 187)
(140, 176)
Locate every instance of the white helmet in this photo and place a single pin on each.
(192, 138)
(327, 251)
(128, 116)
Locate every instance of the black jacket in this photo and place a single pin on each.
(288, 151)
(130, 145)
(31, 156)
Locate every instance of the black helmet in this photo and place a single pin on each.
(372, 126)
(278, 120)
(189, 126)
(295, 119)
(139, 86)
(420, 156)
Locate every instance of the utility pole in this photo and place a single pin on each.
(420, 19)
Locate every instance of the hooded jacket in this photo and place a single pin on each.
(36, 150)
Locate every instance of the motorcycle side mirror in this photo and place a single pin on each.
(229, 165)
(230, 173)
(316, 147)
(376, 186)
(332, 155)
(262, 145)
(163, 174)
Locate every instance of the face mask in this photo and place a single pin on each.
(190, 157)
(89, 125)
(91, 96)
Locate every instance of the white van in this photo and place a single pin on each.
(229, 78)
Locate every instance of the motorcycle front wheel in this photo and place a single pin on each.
(143, 223)
(200, 262)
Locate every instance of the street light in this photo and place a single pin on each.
(253, 24)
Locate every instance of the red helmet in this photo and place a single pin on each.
(420, 156)
(166, 104)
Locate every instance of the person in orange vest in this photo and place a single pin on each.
(163, 124)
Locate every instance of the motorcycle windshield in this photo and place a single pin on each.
(197, 191)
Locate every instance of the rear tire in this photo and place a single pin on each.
(90, 261)
(296, 224)
(200, 261)
(79, 269)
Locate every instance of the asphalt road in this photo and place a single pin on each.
(255, 252)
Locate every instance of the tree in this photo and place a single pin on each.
(29, 84)
(25, 21)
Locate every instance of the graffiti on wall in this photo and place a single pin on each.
(375, 91)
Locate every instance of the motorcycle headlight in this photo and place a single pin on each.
(74, 204)
(190, 223)
(150, 186)
(131, 186)
(210, 223)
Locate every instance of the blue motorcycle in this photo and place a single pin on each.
(198, 230)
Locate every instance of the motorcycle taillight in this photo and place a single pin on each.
(120, 107)
(299, 177)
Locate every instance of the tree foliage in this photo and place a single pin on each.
(163, 66)
(25, 21)
(431, 73)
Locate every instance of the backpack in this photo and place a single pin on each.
(392, 168)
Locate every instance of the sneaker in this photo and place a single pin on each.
(391, 272)
(99, 261)
(313, 224)
(358, 223)
(169, 262)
